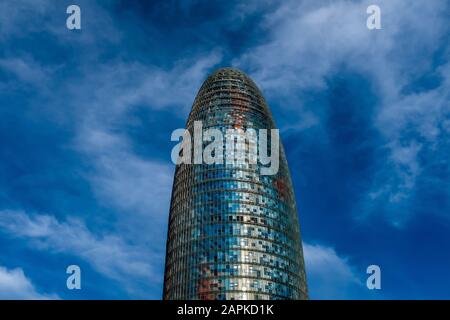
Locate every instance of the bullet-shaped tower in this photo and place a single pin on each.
(233, 232)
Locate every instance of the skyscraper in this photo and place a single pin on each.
(233, 232)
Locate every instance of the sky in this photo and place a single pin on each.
(86, 117)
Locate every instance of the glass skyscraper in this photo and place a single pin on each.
(233, 232)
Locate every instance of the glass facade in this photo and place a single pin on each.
(233, 233)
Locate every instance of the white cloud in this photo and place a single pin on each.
(309, 42)
(14, 285)
(25, 69)
(14, 16)
(120, 86)
(330, 276)
(94, 100)
(124, 180)
(108, 253)
(137, 187)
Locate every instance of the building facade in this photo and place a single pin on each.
(233, 233)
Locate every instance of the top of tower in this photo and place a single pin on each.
(229, 72)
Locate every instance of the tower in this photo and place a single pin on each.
(233, 232)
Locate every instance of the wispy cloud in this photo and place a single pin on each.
(122, 86)
(15, 285)
(311, 43)
(122, 178)
(329, 275)
(108, 253)
(93, 85)
(94, 100)
(24, 70)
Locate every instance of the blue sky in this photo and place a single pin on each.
(86, 118)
